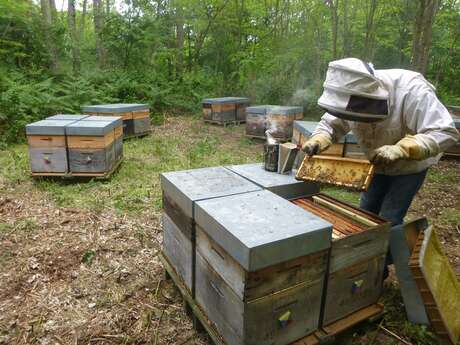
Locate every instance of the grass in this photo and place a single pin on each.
(136, 187)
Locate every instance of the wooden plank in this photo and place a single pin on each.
(353, 288)
(197, 311)
(141, 125)
(140, 114)
(90, 142)
(251, 285)
(355, 318)
(46, 141)
(183, 222)
(48, 160)
(356, 217)
(102, 175)
(438, 285)
(118, 132)
(178, 249)
(91, 160)
(347, 172)
(261, 320)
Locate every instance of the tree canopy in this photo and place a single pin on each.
(171, 53)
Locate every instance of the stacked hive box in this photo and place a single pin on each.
(359, 245)
(181, 191)
(454, 110)
(136, 117)
(225, 109)
(47, 146)
(260, 267)
(256, 119)
(278, 119)
(91, 145)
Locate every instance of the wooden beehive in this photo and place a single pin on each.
(256, 121)
(225, 109)
(47, 146)
(255, 279)
(136, 117)
(454, 151)
(359, 245)
(280, 121)
(91, 146)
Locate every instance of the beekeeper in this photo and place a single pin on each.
(397, 120)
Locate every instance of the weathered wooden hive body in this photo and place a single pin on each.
(225, 109)
(117, 132)
(359, 245)
(346, 147)
(260, 267)
(181, 191)
(256, 120)
(47, 146)
(91, 145)
(278, 119)
(136, 117)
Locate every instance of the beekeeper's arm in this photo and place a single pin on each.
(329, 130)
(432, 127)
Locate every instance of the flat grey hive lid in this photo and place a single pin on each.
(67, 117)
(256, 173)
(48, 127)
(259, 109)
(261, 229)
(226, 100)
(114, 108)
(90, 128)
(189, 186)
(285, 110)
(305, 127)
(284, 185)
(116, 120)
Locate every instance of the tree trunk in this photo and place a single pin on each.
(74, 37)
(48, 9)
(369, 30)
(346, 30)
(100, 51)
(423, 28)
(335, 24)
(179, 39)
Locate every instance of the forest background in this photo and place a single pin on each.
(56, 55)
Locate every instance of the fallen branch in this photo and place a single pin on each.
(394, 335)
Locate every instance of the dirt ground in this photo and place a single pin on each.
(78, 275)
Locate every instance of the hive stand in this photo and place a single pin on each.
(325, 335)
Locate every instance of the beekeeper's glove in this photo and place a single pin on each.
(416, 147)
(316, 144)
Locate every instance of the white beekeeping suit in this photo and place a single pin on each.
(391, 112)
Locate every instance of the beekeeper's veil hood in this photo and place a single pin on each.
(352, 92)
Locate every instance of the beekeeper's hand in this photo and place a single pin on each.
(316, 144)
(416, 147)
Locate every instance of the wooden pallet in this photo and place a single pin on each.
(226, 123)
(99, 176)
(324, 335)
(137, 135)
